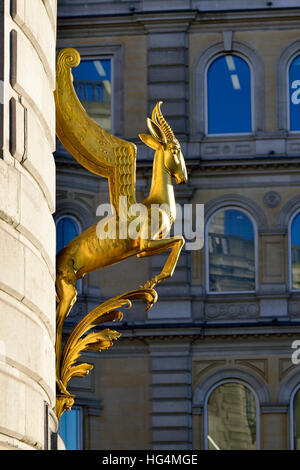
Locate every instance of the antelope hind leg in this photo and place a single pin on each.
(154, 247)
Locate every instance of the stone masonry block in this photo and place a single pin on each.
(22, 410)
(159, 91)
(39, 159)
(36, 222)
(166, 363)
(174, 391)
(9, 193)
(171, 406)
(28, 346)
(38, 92)
(160, 435)
(169, 74)
(168, 421)
(171, 378)
(39, 288)
(166, 40)
(12, 265)
(166, 57)
(32, 17)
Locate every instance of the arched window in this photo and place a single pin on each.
(230, 252)
(295, 252)
(294, 94)
(229, 96)
(67, 228)
(231, 421)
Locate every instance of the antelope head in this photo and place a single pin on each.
(162, 139)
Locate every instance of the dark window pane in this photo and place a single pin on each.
(66, 230)
(229, 96)
(231, 415)
(294, 86)
(231, 252)
(92, 82)
(295, 247)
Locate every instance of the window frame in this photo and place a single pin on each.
(290, 251)
(282, 86)
(206, 111)
(205, 411)
(115, 52)
(206, 245)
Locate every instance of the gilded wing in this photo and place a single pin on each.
(94, 148)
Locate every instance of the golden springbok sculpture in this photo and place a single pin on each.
(113, 158)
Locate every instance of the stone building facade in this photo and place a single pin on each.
(169, 381)
(27, 229)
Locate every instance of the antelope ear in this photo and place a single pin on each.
(150, 141)
(156, 131)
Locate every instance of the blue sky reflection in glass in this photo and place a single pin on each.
(295, 233)
(229, 96)
(294, 86)
(238, 224)
(69, 429)
(66, 230)
(92, 80)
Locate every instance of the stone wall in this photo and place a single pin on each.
(27, 230)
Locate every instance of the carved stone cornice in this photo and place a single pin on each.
(75, 19)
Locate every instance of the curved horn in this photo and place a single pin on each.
(154, 115)
(164, 125)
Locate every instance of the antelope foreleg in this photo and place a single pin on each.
(154, 247)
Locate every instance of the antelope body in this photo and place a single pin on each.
(87, 252)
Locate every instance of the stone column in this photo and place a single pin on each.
(27, 230)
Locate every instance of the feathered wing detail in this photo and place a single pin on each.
(94, 148)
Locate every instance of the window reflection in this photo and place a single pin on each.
(70, 429)
(92, 83)
(231, 418)
(229, 96)
(231, 252)
(66, 230)
(294, 92)
(295, 254)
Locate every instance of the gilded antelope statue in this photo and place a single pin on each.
(114, 158)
